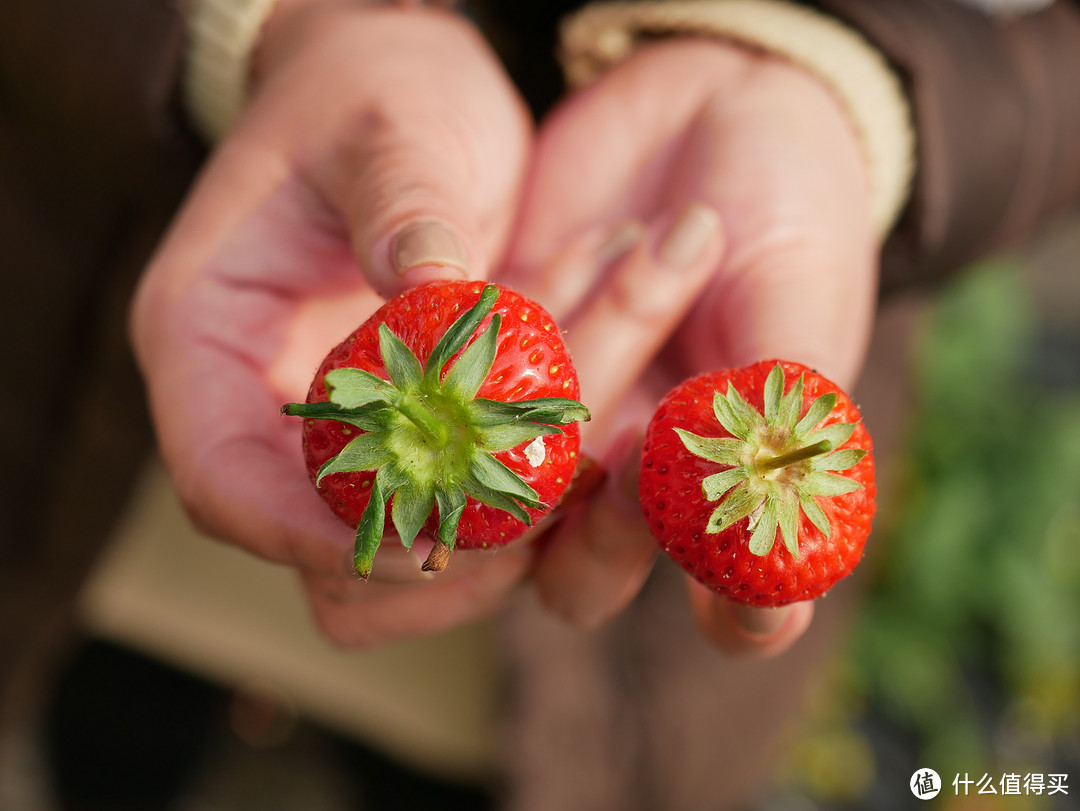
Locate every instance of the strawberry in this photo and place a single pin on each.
(759, 482)
(453, 408)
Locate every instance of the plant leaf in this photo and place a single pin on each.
(493, 498)
(840, 460)
(787, 513)
(473, 365)
(366, 452)
(353, 388)
(366, 419)
(455, 338)
(369, 531)
(764, 534)
(412, 506)
(451, 500)
(495, 438)
(401, 364)
(736, 415)
(493, 474)
(828, 485)
(717, 484)
(814, 512)
(788, 413)
(740, 502)
(773, 392)
(838, 433)
(819, 410)
(544, 410)
(722, 450)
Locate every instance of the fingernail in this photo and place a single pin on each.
(688, 238)
(428, 243)
(622, 239)
(760, 621)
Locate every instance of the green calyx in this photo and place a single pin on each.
(430, 439)
(777, 463)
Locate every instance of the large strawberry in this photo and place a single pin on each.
(759, 481)
(453, 407)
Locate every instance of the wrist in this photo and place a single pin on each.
(225, 40)
(860, 79)
(291, 22)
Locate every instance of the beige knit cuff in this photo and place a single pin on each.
(602, 34)
(221, 37)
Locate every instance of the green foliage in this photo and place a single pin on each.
(981, 569)
(970, 632)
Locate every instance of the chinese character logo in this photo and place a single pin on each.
(925, 784)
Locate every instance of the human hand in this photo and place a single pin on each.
(381, 147)
(682, 128)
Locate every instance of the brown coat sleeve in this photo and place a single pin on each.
(997, 112)
(93, 160)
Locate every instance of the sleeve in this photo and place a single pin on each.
(108, 72)
(997, 115)
(987, 85)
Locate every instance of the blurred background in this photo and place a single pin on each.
(961, 655)
(136, 676)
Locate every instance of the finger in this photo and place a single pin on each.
(601, 553)
(566, 280)
(634, 311)
(798, 280)
(747, 631)
(427, 171)
(361, 615)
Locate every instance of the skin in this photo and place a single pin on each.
(285, 244)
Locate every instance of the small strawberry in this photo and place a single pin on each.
(736, 460)
(452, 408)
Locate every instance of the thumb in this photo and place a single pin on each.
(814, 306)
(425, 197)
(408, 217)
(408, 128)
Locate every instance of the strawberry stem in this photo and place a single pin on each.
(420, 416)
(785, 459)
(437, 558)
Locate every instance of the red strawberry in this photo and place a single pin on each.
(453, 407)
(759, 482)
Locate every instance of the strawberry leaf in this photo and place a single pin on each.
(829, 484)
(841, 460)
(401, 364)
(836, 434)
(764, 532)
(819, 410)
(493, 474)
(722, 450)
(451, 502)
(472, 366)
(354, 388)
(497, 438)
(787, 514)
(369, 531)
(788, 412)
(717, 484)
(813, 511)
(412, 506)
(455, 338)
(366, 452)
(738, 504)
(545, 410)
(773, 393)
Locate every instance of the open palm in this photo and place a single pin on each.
(679, 126)
(287, 243)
